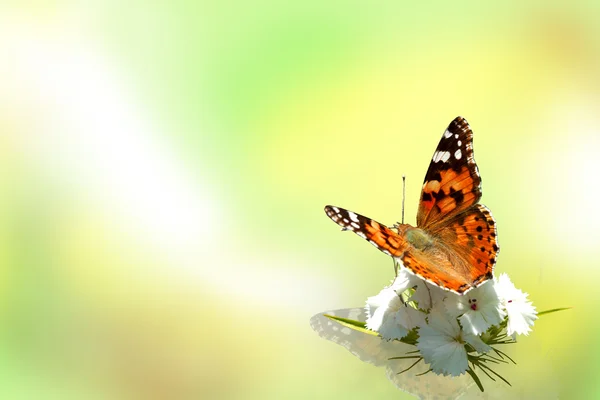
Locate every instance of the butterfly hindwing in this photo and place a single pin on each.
(477, 242)
(439, 272)
(377, 234)
(463, 255)
(452, 183)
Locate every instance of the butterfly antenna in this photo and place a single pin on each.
(403, 194)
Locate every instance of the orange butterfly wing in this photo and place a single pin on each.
(475, 238)
(462, 255)
(464, 232)
(377, 234)
(452, 183)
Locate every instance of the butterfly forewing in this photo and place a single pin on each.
(452, 183)
(376, 233)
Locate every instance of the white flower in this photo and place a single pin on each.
(521, 312)
(402, 281)
(442, 345)
(479, 308)
(381, 311)
(427, 295)
(389, 315)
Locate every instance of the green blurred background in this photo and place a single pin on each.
(164, 167)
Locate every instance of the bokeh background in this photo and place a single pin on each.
(164, 167)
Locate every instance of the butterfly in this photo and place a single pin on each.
(455, 243)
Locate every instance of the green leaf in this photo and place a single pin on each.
(485, 372)
(482, 366)
(352, 324)
(501, 353)
(405, 357)
(553, 310)
(475, 378)
(411, 338)
(415, 363)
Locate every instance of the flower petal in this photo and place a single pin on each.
(378, 307)
(441, 346)
(450, 359)
(478, 310)
(388, 315)
(521, 312)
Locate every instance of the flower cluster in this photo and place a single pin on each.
(452, 333)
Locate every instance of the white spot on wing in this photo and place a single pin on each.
(352, 216)
(460, 143)
(441, 156)
(456, 136)
(354, 225)
(447, 134)
(458, 154)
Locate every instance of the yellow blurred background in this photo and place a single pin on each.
(164, 168)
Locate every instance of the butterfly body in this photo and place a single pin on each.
(454, 244)
(416, 237)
